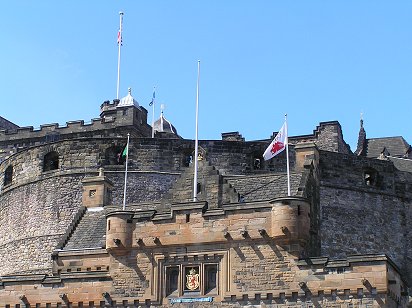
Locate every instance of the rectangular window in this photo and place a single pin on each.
(172, 281)
(210, 279)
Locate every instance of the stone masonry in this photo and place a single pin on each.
(341, 239)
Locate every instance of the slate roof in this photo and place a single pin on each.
(265, 187)
(163, 125)
(6, 124)
(91, 229)
(402, 164)
(395, 146)
(90, 232)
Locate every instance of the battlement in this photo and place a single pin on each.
(109, 105)
(110, 118)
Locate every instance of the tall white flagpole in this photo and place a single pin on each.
(125, 172)
(196, 139)
(119, 42)
(153, 110)
(287, 152)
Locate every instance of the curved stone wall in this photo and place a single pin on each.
(32, 219)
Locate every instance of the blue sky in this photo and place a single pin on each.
(315, 60)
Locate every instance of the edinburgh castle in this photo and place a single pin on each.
(341, 239)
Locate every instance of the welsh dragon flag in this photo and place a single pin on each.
(278, 144)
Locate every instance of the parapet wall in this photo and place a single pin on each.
(120, 122)
(327, 136)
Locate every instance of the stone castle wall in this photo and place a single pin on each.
(361, 218)
(37, 207)
(33, 218)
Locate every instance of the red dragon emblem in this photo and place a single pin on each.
(277, 146)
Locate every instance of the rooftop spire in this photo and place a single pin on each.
(361, 138)
(361, 120)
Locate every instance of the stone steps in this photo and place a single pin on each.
(212, 187)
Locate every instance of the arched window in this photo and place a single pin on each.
(257, 163)
(113, 155)
(371, 177)
(8, 175)
(51, 161)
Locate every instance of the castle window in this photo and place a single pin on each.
(51, 161)
(187, 160)
(257, 164)
(113, 155)
(172, 281)
(8, 175)
(370, 177)
(211, 278)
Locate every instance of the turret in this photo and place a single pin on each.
(290, 219)
(119, 231)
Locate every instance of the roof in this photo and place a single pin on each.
(128, 100)
(6, 124)
(90, 232)
(265, 187)
(163, 125)
(392, 146)
(402, 164)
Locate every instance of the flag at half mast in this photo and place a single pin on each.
(278, 144)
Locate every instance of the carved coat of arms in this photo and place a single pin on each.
(192, 280)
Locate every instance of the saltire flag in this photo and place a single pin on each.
(153, 99)
(119, 38)
(277, 145)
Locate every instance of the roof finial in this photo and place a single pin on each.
(361, 119)
(162, 107)
(129, 90)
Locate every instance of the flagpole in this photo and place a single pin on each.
(153, 112)
(125, 172)
(119, 42)
(196, 139)
(287, 153)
